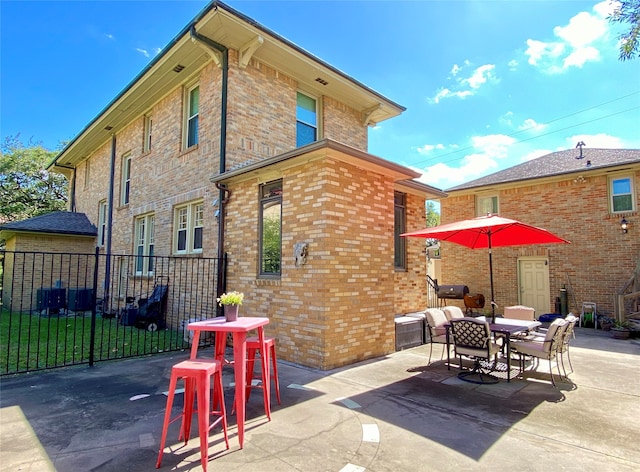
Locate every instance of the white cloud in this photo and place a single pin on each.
(513, 64)
(578, 57)
(480, 76)
(468, 86)
(539, 51)
(531, 125)
(488, 150)
(144, 52)
(599, 140)
(427, 148)
(446, 93)
(575, 44)
(109, 36)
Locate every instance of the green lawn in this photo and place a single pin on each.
(33, 342)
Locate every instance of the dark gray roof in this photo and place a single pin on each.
(557, 163)
(57, 222)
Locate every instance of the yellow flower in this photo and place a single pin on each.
(231, 298)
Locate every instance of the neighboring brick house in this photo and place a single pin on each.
(59, 232)
(234, 140)
(580, 195)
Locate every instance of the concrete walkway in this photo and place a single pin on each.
(386, 415)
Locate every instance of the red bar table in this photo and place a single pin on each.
(239, 329)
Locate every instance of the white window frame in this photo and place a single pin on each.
(632, 193)
(102, 223)
(300, 120)
(481, 207)
(144, 244)
(125, 187)
(188, 219)
(189, 118)
(148, 132)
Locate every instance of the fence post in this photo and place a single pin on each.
(92, 339)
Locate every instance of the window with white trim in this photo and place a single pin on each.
(144, 234)
(125, 188)
(270, 228)
(102, 223)
(306, 120)
(148, 128)
(192, 111)
(188, 224)
(486, 204)
(622, 194)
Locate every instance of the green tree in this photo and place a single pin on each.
(433, 219)
(628, 12)
(26, 188)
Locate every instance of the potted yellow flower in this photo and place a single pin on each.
(231, 301)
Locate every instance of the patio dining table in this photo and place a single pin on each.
(239, 330)
(505, 327)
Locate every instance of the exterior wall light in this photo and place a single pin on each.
(624, 225)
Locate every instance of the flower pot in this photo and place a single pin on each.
(231, 312)
(620, 333)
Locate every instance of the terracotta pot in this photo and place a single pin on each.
(231, 312)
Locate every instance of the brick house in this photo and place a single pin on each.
(61, 232)
(235, 141)
(580, 195)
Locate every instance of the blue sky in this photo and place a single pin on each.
(486, 84)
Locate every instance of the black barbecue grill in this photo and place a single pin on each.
(452, 292)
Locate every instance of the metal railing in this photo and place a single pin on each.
(61, 309)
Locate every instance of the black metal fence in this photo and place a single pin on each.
(61, 309)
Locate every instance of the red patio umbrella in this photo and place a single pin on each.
(488, 232)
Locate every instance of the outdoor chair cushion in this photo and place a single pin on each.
(453, 312)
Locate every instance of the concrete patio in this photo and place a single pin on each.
(385, 415)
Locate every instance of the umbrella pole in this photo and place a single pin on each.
(493, 305)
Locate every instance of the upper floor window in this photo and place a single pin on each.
(270, 230)
(102, 223)
(306, 120)
(145, 226)
(189, 223)
(486, 204)
(400, 218)
(621, 191)
(148, 128)
(192, 113)
(125, 187)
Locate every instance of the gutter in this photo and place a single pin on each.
(222, 190)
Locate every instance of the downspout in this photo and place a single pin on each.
(224, 52)
(112, 172)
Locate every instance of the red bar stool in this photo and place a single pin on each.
(253, 347)
(197, 375)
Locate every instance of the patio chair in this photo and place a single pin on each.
(453, 312)
(436, 322)
(547, 348)
(563, 347)
(472, 338)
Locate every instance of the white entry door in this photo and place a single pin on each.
(533, 283)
